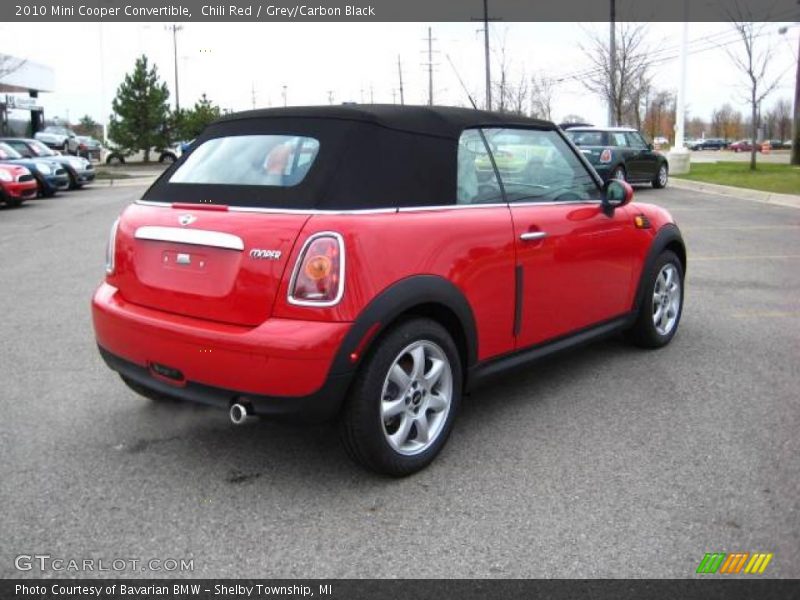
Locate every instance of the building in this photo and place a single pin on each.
(21, 82)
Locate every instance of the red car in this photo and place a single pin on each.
(357, 263)
(17, 184)
(744, 146)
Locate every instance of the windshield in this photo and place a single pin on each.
(263, 160)
(40, 149)
(53, 129)
(7, 152)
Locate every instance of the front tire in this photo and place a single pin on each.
(662, 305)
(404, 400)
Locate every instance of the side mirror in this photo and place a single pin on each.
(617, 193)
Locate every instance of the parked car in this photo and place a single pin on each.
(708, 144)
(621, 153)
(60, 138)
(661, 141)
(287, 268)
(88, 147)
(17, 184)
(170, 154)
(779, 145)
(79, 170)
(744, 146)
(49, 176)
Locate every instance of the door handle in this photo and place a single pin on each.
(533, 235)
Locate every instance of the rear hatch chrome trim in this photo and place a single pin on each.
(196, 237)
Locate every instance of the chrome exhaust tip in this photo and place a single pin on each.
(239, 414)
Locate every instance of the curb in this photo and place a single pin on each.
(789, 200)
(127, 182)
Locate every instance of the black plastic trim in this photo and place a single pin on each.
(489, 369)
(666, 235)
(398, 299)
(518, 298)
(320, 406)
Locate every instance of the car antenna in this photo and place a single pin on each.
(461, 81)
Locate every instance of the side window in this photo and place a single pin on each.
(539, 166)
(635, 140)
(477, 181)
(19, 146)
(618, 139)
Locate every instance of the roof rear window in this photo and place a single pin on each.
(586, 138)
(259, 160)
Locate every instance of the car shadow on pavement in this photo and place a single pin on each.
(278, 454)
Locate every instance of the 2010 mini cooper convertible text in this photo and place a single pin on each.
(373, 263)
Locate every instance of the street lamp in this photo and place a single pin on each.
(795, 159)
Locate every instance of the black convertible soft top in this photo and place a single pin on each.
(370, 156)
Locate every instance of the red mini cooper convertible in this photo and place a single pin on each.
(374, 263)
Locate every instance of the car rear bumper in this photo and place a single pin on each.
(280, 367)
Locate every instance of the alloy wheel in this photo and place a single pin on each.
(662, 176)
(416, 397)
(666, 299)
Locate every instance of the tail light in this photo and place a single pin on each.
(605, 156)
(318, 277)
(111, 248)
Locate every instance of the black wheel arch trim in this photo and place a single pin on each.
(401, 298)
(669, 234)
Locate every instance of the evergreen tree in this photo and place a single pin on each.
(191, 122)
(141, 112)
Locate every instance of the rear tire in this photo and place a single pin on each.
(662, 177)
(147, 392)
(662, 305)
(404, 400)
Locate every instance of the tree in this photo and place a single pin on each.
(779, 120)
(542, 91)
(696, 127)
(726, 123)
(9, 64)
(753, 60)
(624, 88)
(659, 118)
(191, 122)
(572, 118)
(88, 126)
(141, 111)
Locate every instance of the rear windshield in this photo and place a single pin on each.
(586, 138)
(263, 160)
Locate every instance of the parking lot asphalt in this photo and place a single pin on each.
(605, 462)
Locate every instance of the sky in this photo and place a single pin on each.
(241, 65)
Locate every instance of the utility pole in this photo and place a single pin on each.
(430, 68)
(253, 94)
(612, 56)
(371, 94)
(679, 157)
(330, 96)
(175, 29)
(400, 75)
(795, 158)
(285, 94)
(486, 54)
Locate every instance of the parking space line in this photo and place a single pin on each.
(770, 314)
(739, 227)
(693, 259)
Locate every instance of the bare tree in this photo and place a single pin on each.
(659, 119)
(622, 88)
(517, 95)
(779, 119)
(572, 118)
(752, 59)
(9, 64)
(726, 122)
(542, 91)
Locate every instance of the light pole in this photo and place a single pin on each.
(679, 156)
(795, 158)
(175, 29)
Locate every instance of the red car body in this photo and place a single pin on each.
(17, 184)
(745, 146)
(194, 307)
